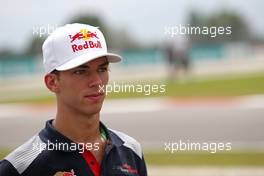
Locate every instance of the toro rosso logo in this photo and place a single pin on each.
(86, 37)
(127, 169)
(65, 173)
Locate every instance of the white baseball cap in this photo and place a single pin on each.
(72, 45)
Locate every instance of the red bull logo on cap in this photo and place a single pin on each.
(86, 36)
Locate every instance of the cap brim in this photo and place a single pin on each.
(86, 58)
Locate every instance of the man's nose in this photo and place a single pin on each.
(95, 80)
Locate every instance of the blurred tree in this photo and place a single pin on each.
(120, 39)
(35, 46)
(6, 52)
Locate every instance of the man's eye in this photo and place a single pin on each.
(103, 69)
(79, 72)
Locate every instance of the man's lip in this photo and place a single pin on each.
(94, 95)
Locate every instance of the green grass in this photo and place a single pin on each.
(227, 86)
(4, 152)
(205, 88)
(246, 158)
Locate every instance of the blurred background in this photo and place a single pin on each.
(214, 83)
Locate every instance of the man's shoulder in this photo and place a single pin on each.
(129, 142)
(7, 169)
(20, 159)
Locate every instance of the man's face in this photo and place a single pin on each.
(78, 88)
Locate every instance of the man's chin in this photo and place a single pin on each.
(93, 109)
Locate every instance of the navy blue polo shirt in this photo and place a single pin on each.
(123, 156)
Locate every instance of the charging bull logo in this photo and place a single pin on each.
(83, 34)
(86, 36)
(65, 173)
(127, 169)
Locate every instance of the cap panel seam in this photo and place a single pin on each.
(55, 55)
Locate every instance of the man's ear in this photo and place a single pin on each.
(52, 82)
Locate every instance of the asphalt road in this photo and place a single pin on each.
(152, 125)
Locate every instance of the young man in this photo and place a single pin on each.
(76, 143)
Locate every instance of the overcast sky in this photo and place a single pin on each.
(144, 20)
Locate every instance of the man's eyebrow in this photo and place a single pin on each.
(83, 66)
(104, 64)
(87, 66)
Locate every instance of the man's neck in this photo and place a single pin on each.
(78, 127)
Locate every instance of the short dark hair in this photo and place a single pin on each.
(56, 72)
